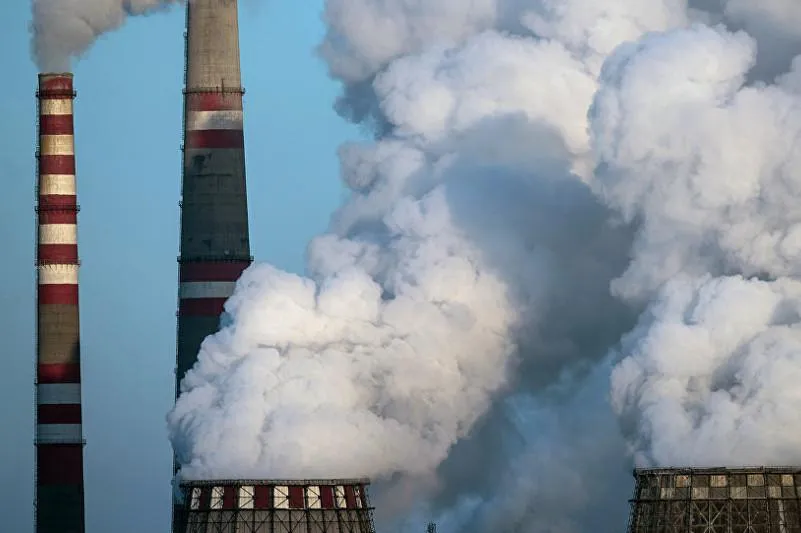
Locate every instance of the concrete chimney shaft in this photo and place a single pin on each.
(59, 438)
(215, 244)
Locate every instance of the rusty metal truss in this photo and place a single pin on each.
(716, 500)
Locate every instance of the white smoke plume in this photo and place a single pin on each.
(64, 29)
(711, 173)
(410, 316)
(712, 374)
(544, 171)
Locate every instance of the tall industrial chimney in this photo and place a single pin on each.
(59, 437)
(215, 246)
(716, 500)
(278, 506)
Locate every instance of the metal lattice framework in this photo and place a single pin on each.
(277, 506)
(716, 500)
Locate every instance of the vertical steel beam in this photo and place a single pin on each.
(59, 437)
(214, 240)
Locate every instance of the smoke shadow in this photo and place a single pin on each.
(562, 250)
(540, 228)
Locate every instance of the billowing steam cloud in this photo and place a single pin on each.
(714, 180)
(544, 172)
(713, 373)
(64, 29)
(390, 350)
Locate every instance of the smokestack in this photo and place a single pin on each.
(59, 437)
(278, 506)
(215, 246)
(716, 500)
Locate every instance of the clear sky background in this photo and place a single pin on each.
(128, 134)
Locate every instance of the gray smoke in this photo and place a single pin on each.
(544, 173)
(62, 30)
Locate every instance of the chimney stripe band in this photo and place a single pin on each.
(51, 85)
(58, 234)
(58, 275)
(202, 307)
(58, 433)
(58, 254)
(213, 101)
(57, 184)
(212, 271)
(60, 414)
(55, 107)
(56, 125)
(58, 373)
(58, 393)
(60, 464)
(61, 352)
(57, 164)
(206, 289)
(56, 145)
(214, 120)
(215, 139)
(62, 213)
(57, 202)
(58, 295)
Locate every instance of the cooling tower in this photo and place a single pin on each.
(716, 500)
(277, 506)
(59, 438)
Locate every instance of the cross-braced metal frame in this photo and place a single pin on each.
(716, 500)
(277, 506)
(278, 521)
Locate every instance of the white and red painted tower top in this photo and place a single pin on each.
(59, 439)
(278, 506)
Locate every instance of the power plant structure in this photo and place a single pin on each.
(215, 243)
(214, 235)
(214, 251)
(59, 436)
(277, 506)
(716, 500)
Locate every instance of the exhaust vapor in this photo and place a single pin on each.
(709, 370)
(572, 246)
(62, 30)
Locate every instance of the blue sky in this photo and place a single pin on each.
(128, 121)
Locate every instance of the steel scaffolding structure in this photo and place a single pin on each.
(277, 506)
(716, 500)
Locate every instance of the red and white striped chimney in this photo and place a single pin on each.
(59, 437)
